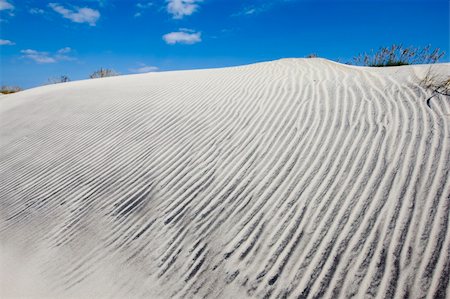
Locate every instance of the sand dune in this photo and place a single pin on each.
(288, 179)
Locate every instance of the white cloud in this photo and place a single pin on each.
(5, 42)
(180, 8)
(144, 5)
(141, 6)
(255, 9)
(64, 50)
(250, 11)
(145, 69)
(187, 30)
(45, 57)
(184, 36)
(36, 11)
(5, 5)
(79, 15)
(39, 57)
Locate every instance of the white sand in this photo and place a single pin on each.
(292, 178)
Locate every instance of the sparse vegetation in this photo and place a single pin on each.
(397, 55)
(435, 83)
(102, 73)
(60, 79)
(9, 89)
(312, 55)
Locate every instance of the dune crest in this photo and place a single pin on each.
(294, 178)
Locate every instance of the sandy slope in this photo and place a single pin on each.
(293, 178)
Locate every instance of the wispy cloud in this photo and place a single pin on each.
(39, 57)
(79, 15)
(6, 42)
(36, 11)
(5, 5)
(257, 8)
(45, 57)
(64, 50)
(252, 10)
(184, 36)
(141, 6)
(180, 8)
(8, 7)
(144, 69)
(144, 5)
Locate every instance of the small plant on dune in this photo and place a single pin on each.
(102, 73)
(312, 55)
(436, 83)
(9, 89)
(397, 55)
(437, 86)
(60, 79)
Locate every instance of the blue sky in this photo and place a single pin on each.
(46, 39)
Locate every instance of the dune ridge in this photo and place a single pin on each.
(297, 178)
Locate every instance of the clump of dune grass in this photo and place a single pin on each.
(60, 79)
(9, 89)
(102, 73)
(312, 55)
(435, 83)
(397, 55)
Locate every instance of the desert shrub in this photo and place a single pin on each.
(60, 79)
(9, 89)
(397, 55)
(312, 55)
(435, 83)
(102, 73)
